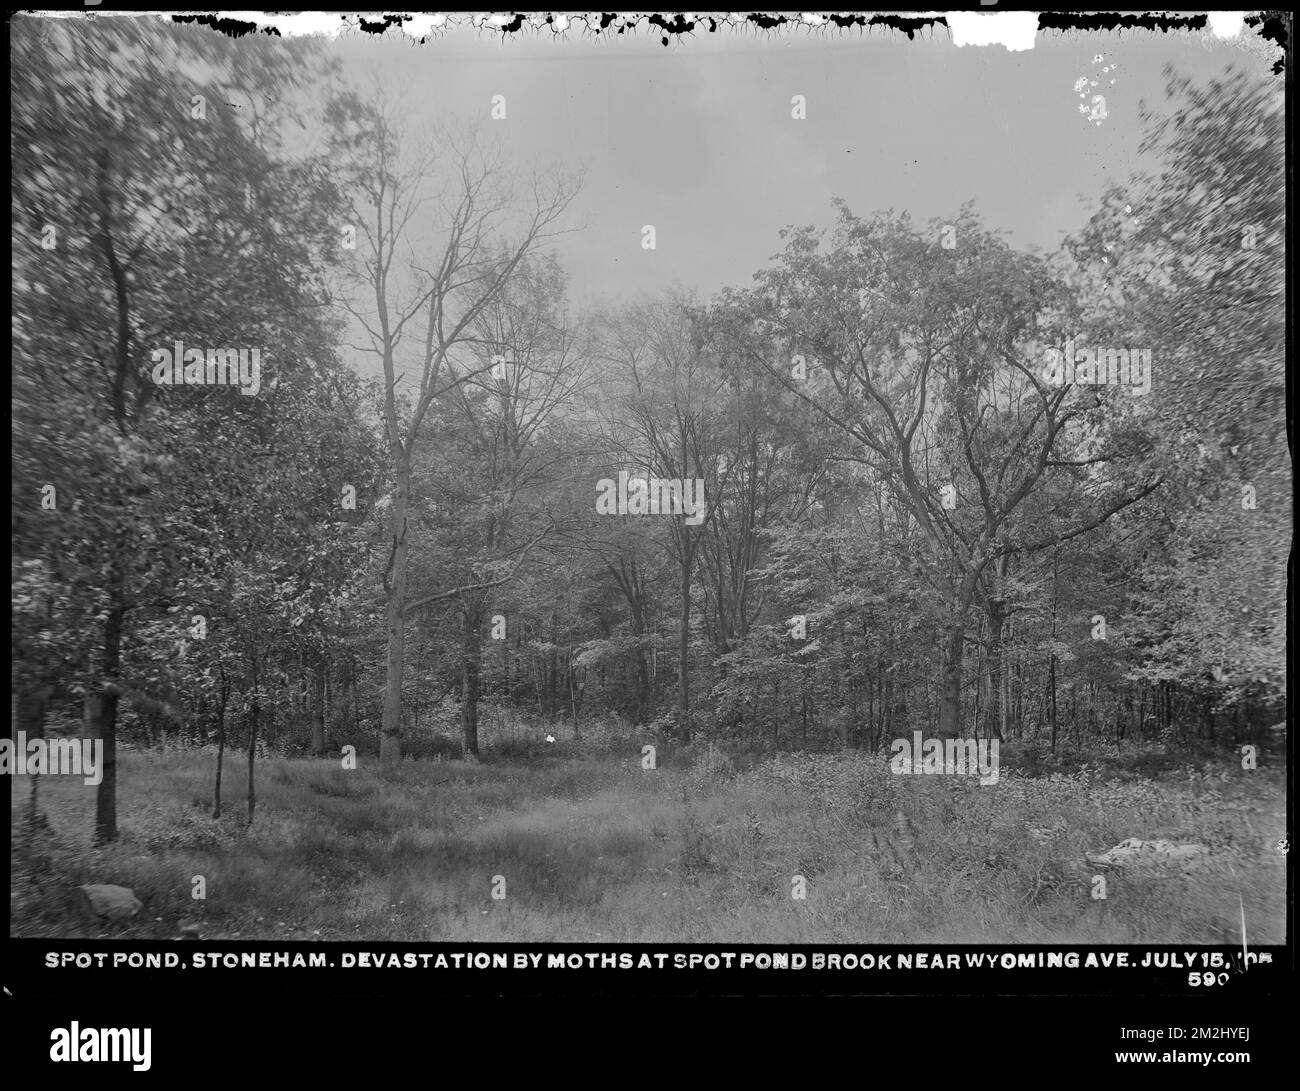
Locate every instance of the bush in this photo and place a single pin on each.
(514, 748)
(605, 732)
(665, 727)
(697, 845)
(709, 768)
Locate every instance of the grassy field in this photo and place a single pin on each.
(596, 848)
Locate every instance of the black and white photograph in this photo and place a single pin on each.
(621, 479)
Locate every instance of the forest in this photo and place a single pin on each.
(384, 570)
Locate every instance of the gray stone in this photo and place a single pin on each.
(1137, 853)
(113, 903)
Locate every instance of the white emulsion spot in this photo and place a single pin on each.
(1226, 24)
(1016, 30)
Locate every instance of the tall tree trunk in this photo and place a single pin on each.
(1051, 687)
(885, 690)
(573, 697)
(684, 641)
(105, 727)
(1004, 701)
(553, 672)
(390, 743)
(642, 696)
(1012, 685)
(855, 734)
(29, 715)
(471, 653)
(223, 697)
(252, 746)
(1051, 666)
(950, 680)
(346, 724)
(995, 707)
(776, 718)
(505, 663)
(318, 708)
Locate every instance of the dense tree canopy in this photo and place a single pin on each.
(910, 518)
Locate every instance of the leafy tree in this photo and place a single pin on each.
(151, 212)
(1190, 262)
(425, 280)
(926, 363)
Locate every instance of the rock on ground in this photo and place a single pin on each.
(110, 902)
(1145, 853)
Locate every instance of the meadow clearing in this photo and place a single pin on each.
(583, 844)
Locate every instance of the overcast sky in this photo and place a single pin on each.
(698, 139)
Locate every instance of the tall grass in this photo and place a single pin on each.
(591, 846)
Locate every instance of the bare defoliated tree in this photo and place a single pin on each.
(671, 408)
(439, 235)
(537, 367)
